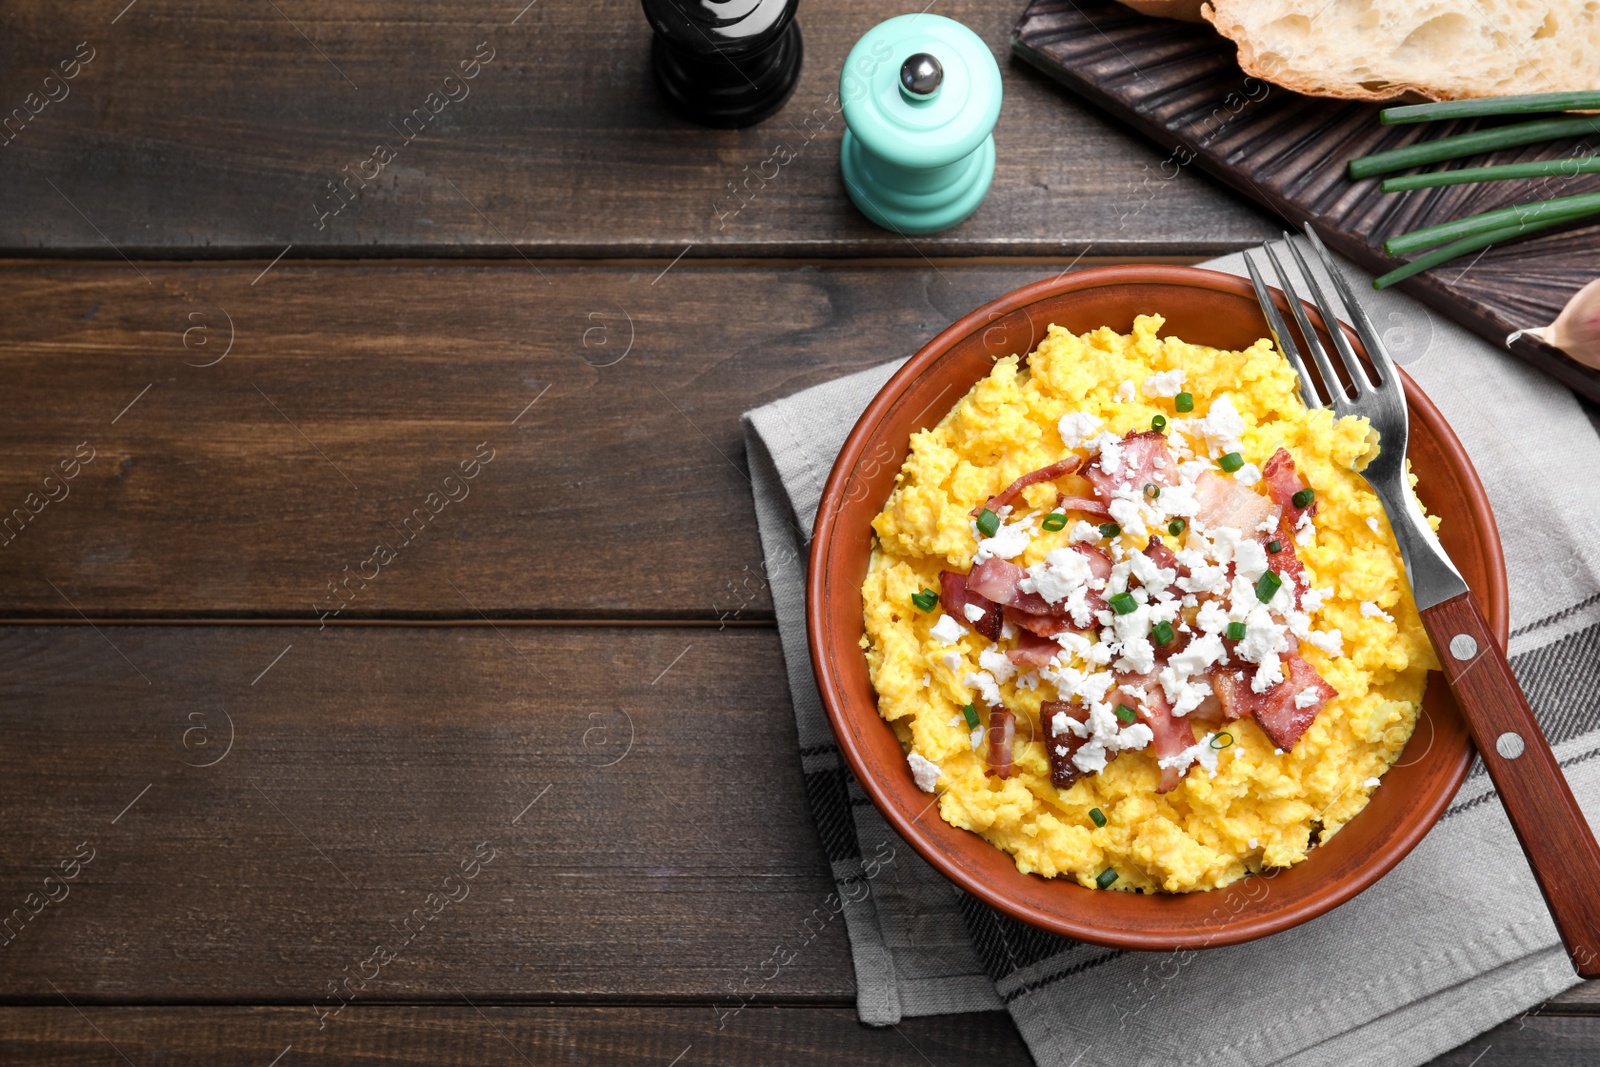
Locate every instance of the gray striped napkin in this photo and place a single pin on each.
(1453, 941)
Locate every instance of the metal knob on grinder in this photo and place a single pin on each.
(921, 95)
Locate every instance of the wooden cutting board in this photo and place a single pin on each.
(1180, 84)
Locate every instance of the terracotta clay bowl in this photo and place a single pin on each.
(1202, 307)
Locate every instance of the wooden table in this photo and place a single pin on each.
(555, 702)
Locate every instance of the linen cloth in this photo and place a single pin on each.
(1455, 940)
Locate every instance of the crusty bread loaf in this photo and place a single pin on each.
(1440, 49)
(1185, 10)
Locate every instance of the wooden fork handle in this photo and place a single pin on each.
(1560, 847)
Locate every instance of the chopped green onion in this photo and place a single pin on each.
(1564, 207)
(1467, 175)
(1158, 423)
(1098, 816)
(1054, 521)
(1267, 586)
(1175, 527)
(1524, 104)
(925, 600)
(1303, 498)
(1126, 714)
(1230, 461)
(1109, 529)
(1162, 632)
(1151, 490)
(988, 523)
(1236, 631)
(1123, 604)
(1224, 744)
(1107, 876)
(1461, 248)
(1471, 144)
(1274, 546)
(1183, 402)
(970, 713)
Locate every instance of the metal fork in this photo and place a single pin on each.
(1554, 834)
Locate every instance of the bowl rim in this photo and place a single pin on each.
(1492, 597)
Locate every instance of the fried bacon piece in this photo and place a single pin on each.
(1279, 711)
(1002, 729)
(1071, 465)
(955, 596)
(1061, 746)
(1033, 650)
(1172, 734)
(1144, 458)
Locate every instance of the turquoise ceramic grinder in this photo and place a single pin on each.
(921, 94)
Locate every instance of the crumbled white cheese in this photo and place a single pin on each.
(1062, 572)
(1109, 447)
(1125, 390)
(1138, 656)
(1250, 557)
(1330, 641)
(973, 612)
(1150, 574)
(1200, 752)
(1211, 618)
(996, 663)
(1264, 637)
(1009, 541)
(1028, 680)
(1249, 474)
(976, 738)
(947, 631)
(1219, 429)
(1307, 696)
(924, 772)
(1076, 427)
(1312, 599)
(1372, 524)
(1199, 655)
(985, 684)
(1105, 737)
(1370, 783)
(1254, 843)
(1269, 672)
(952, 660)
(1305, 531)
(1084, 532)
(1164, 383)
(1126, 513)
(1372, 610)
(1225, 541)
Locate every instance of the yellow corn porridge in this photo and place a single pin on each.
(1102, 672)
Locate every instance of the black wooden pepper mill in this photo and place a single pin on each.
(725, 63)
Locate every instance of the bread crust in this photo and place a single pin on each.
(1321, 78)
(1182, 10)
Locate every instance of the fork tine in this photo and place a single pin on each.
(1358, 373)
(1330, 379)
(1358, 316)
(1280, 333)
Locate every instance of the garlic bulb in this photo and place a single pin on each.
(1576, 330)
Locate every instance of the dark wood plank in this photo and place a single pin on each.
(639, 788)
(1180, 84)
(649, 1037)
(200, 128)
(489, 1035)
(351, 392)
